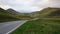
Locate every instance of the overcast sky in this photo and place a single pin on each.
(28, 5)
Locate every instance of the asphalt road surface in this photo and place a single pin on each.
(8, 26)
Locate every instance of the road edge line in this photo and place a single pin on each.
(15, 28)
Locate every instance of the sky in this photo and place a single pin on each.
(28, 5)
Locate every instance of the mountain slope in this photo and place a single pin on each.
(48, 12)
(12, 11)
(10, 15)
(6, 16)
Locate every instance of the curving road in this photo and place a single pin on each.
(7, 27)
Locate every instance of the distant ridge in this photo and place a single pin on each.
(47, 12)
(10, 10)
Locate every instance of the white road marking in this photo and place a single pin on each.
(15, 28)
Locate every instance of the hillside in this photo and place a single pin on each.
(12, 11)
(6, 16)
(10, 15)
(47, 12)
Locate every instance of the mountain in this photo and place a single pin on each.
(10, 15)
(12, 11)
(47, 12)
(6, 16)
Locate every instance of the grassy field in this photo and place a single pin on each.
(41, 26)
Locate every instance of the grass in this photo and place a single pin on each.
(41, 26)
(5, 18)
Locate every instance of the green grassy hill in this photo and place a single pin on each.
(11, 15)
(47, 12)
(6, 16)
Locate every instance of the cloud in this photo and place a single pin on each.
(4, 6)
(29, 5)
(54, 3)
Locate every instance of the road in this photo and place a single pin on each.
(35, 19)
(8, 26)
